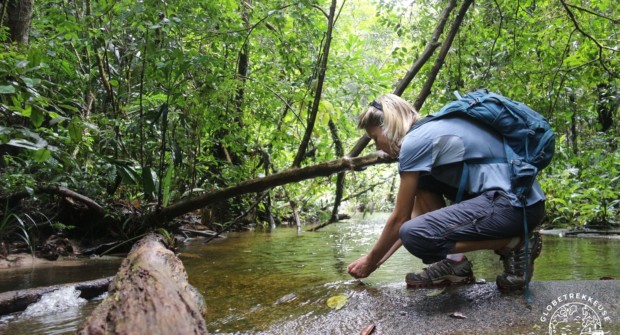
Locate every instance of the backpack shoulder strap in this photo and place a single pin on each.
(420, 122)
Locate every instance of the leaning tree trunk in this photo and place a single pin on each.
(432, 44)
(340, 176)
(443, 52)
(301, 151)
(149, 295)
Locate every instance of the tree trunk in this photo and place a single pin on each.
(605, 106)
(19, 19)
(340, 176)
(573, 123)
(432, 44)
(443, 52)
(242, 66)
(149, 295)
(301, 151)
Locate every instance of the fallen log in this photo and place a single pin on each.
(17, 301)
(260, 184)
(149, 295)
(57, 190)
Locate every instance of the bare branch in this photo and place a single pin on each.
(589, 11)
(601, 47)
(58, 190)
(322, 10)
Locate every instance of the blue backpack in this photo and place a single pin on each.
(529, 141)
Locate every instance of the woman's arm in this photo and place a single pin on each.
(390, 252)
(385, 246)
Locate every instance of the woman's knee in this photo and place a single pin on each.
(413, 239)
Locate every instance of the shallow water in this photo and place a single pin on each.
(252, 280)
(65, 271)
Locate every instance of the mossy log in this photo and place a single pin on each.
(150, 294)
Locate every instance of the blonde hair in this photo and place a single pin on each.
(395, 118)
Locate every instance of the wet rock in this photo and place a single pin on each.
(54, 247)
(475, 309)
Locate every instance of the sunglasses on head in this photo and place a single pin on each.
(376, 105)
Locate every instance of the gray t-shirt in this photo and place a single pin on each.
(436, 146)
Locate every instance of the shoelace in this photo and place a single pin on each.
(438, 269)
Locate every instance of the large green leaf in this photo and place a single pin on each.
(37, 117)
(23, 143)
(7, 89)
(75, 130)
(149, 181)
(41, 155)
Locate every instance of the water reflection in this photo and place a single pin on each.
(244, 276)
(63, 272)
(252, 280)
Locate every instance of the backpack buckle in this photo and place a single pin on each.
(474, 101)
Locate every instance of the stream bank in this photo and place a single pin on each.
(278, 282)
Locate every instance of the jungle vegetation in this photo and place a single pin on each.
(113, 110)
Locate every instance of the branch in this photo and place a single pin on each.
(295, 112)
(252, 27)
(301, 151)
(615, 21)
(430, 48)
(499, 34)
(355, 195)
(260, 184)
(58, 190)
(432, 75)
(588, 36)
(322, 10)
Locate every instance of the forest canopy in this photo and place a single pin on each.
(137, 105)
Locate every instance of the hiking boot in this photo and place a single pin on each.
(443, 273)
(515, 265)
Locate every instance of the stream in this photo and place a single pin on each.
(253, 280)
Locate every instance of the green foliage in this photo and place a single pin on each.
(585, 188)
(145, 101)
(14, 225)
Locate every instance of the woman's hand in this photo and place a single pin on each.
(362, 267)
